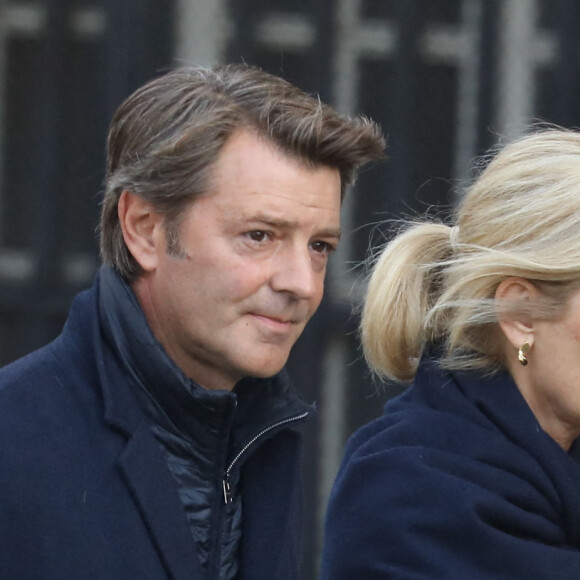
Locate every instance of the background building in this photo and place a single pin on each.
(445, 78)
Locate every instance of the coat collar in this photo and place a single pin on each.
(494, 402)
(141, 463)
(176, 402)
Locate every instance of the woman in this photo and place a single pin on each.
(470, 473)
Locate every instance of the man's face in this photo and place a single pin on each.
(251, 270)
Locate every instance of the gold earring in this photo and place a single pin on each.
(524, 350)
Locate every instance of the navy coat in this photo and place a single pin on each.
(85, 491)
(455, 481)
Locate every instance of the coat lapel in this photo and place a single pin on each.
(155, 492)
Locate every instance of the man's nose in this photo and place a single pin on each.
(295, 273)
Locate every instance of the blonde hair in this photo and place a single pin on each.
(436, 283)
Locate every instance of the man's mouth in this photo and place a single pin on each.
(279, 323)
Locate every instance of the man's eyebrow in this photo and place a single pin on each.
(330, 233)
(283, 223)
(275, 222)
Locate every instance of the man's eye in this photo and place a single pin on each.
(257, 235)
(322, 247)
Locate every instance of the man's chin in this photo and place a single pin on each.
(267, 370)
(266, 373)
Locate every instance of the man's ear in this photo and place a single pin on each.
(513, 297)
(142, 229)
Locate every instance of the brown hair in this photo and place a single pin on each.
(166, 137)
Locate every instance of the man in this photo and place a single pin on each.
(155, 438)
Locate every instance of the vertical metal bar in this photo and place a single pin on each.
(346, 58)
(404, 92)
(3, 48)
(488, 73)
(242, 41)
(327, 382)
(137, 46)
(566, 107)
(515, 96)
(117, 53)
(345, 84)
(325, 44)
(51, 118)
(202, 31)
(332, 425)
(344, 97)
(333, 396)
(469, 87)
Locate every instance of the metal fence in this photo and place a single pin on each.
(445, 78)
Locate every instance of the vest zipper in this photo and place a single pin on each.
(226, 483)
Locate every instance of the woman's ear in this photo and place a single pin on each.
(142, 229)
(514, 296)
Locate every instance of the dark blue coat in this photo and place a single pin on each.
(85, 491)
(455, 481)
